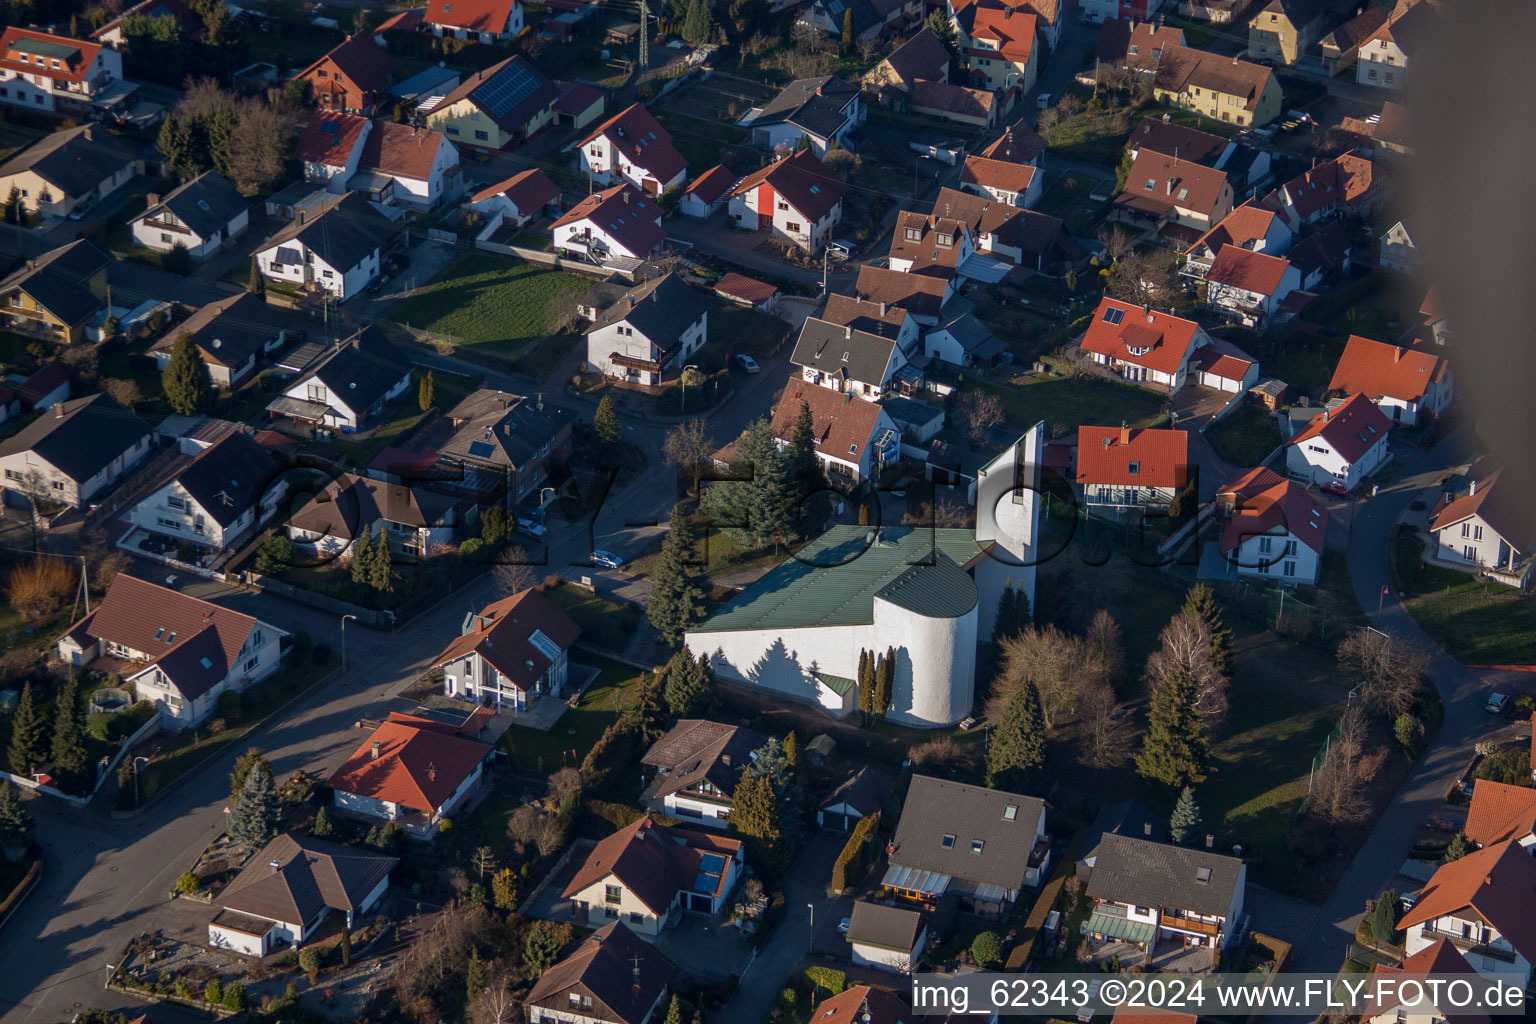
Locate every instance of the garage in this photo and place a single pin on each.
(855, 795)
(239, 933)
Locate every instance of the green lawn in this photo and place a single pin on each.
(604, 622)
(1478, 622)
(448, 390)
(1066, 403)
(492, 304)
(1245, 437)
(1067, 199)
(579, 728)
(721, 555)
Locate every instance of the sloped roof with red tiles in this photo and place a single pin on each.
(420, 763)
(365, 62)
(1350, 429)
(1011, 30)
(1245, 225)
(1224, 359)
(952, 99)
(1251, 271)
(1496, 883)
(576, 97)
(999, 174)
(635, 132)
(802, 180)
(916, 293)
(1118, 327)
(710, 186)
(474, 15)
(1377, 369)
(527, 190)
(1430, 307)
(929, 242)
(27, 51)
(1499, 812)
(744, 289)
(860, 1004)
(1263, 501)
(1495, 497)
(1105, 456)
(405, 21)
(1184, 67)
(1440, 960)
(1018, 144)
(329, 138)
(507, 634)
(879, 318)
(623, 972)
(1136, 44)
(652, 861)
(1143, 1015)
(842, 426)
(1158, 181)
(1345, 179)
(635, 221)
(1410, 26)
(401, 150)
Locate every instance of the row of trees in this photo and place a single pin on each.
(246, 139)
(876, 682)
(34, 745)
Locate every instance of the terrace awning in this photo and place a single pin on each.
(1113, 926)
(928, 883)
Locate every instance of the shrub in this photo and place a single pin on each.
(309, 960)
(848, 858)
(987, 949)
(234, 996)
(187, 882)
(788, 996)
(470, 547)
(827, 980)
(1384, 917)
(213, 991)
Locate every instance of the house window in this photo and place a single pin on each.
(914, 234)
(1265, 544)
(1290, 548)
(1477, 533)
(636, 918)
(1134, 469)
(1288, 569)
(948, 841)
(611, 913)
(481, 136)
(612, 894)
(783, 205)
(977, 845)
(1263, 568)
(580, 1001)
(451, 129)
(792, 226)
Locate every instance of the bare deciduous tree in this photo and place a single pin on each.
(515, 573)
(1109, 734)
(981, 411)
(1141, 276)
(496, 1004)
(1116, 242)
(938, 514)
(688, 448)
(1390, 667)
(1186, 645)
(1338, 784)
(1064, 668)
(39, 588)
(124, 391)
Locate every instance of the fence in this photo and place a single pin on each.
(439, 235)
(367, 616)
(103, 772)
(548, 259)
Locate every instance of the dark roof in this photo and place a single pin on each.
(1018, 144)
(843, 352)
(696, 749)
(636, 134)
(936, 808)
(916, 293)
(1178, 139)
(1130, 869)
(510, 93)
(75, 160)
(922, 56)
(504, 429)
(365, 62)
(863, 789)
(661, 309)
(205, 204)
(57, 281)
(80, 437)
(228, 478)
(350, 502)
(624, 213)
(364, 368)
(232, 330)
(655, 862)
(1184, 67)
(800, 179)
(43, 382)
(813, 104)
(622, 973)
(311, 874)
(342, 230)
(510, 635)
(1126, 818)
(888, 927)
(1324, 249)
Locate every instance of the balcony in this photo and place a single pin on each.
(1467, 944)
(1175, 920)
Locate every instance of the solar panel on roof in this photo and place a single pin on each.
(506, 89)
(481, 449)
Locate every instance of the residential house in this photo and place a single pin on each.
(1384, 55)
(1126, 818)
(1440, 960)
(1239, 163)
(485, 21)
(1343, 444)
(868, 21)
(54, 74)
(201, 216)
(1249, 286)
(1397, 250)
(187, 20)
(647, 875)
(1340, 49)
(76, 450)
(1321, 255)
(872, 318)
(405, 165)
(748, 291)
(1009, 183)
(232, 336)
(706, 193)
(48, 386)
(1104, 11)
(962, 339)
(417, 519)
(934, 244)
(503, 446)
(353, 78)
(1136, 44)
(1221, 88)
(183, 652)
(1223, 366)
(1048, 16)
(288, 890)
(1436, 320)
(923, 57)
(1488, 528)
(412, 772)
(335, 246)
(1144, 345)
(922, 298)
(348, 384)
(856, 795)
(656, 325)
(1288, 31)
(886, 938)
(1121, 468)
(1500, 812)
(1273, 528)
(1163, 191)
(518, 199)
(613, 977)
(215, 500)
(56, 296)
(998, 46)
(510, 654)
(497, 108)
(974, 108)
(1480, 904)
(632, 146)
(1388, 128)
(795, 197)
(1347, 186)
(1006, 233)
(1249, 226)
(698, 765)
(1017, 145)
(616, 222)
(861, 1004)
(330, 148)
(69, 170)
(579, 103)
(846, 360)
(1408, 384)
(853, 438)
(818, 110)
(1147, 892)
(984, 846)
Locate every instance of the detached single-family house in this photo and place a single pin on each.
(1162, 189)
(1121, 468)
(651, 328)
(1166, 136)
(886, 938)
(1397, 250)
(632, 146)
(1288, 31)
(232, 335)
(335, 246)
(502, 106)
(1017, 145)
(510, 653)
(1002, 180)
(1408, 384)
(1343, 444)
(856, 795)
(816, 109)
(56, 296)
(1499, 812)
(347, 384)
(1347, 186)
(698, 764)
(1148, 893)
(796, 197)
(867, 20)
(923, 57)
(70, 170)
(934, 244)
(1248, 226)
(963, 339)
(1004, 234)
(647, 875)
(503, 446)
(404, 165)
(861, 1004)
(1383, 55)
(873, 318)
(353, 78)
(55, 74)
(1221, 88)
(288, 889)
(1488, 527)
(417, 518)
(1404, 1004)
(613, 977)
(201, 216)
(1136, 44)
(921, 297)
(518, 199)
(1144, 345)
(183, 652)
(48, 385)
(1249, 286)
(411, 771)
(218, 498)
(1273, 528)
(75, 450)
(330, 148)
(998, 46)
(706, 193)
(846, 360)
(1323, 254)
(1481, 904)
(485, 21)
(974, 108)
(986, 846)
(616, 222)
(853, 438)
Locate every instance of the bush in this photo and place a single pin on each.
(229, 704)
(987, 949)
(788, 996)
(187, 882)
(827, 980)
(214, 991)
(177, 261)
(234, 996)
(309, 960)
(470, 547)
(1384, 917)
(850, 856)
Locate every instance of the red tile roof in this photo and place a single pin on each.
(1263, 500)
(1013, 31)
(1184, 67)
(1157, 180)
(15, 59)
(1138, 45)
(862, 315)
(652, 861)
(1496, 883)
(1142, 1015)
(576, 97)
(745, 289)
(528, 190)
(1430, 307)
(624, 213)
(365, 62)
(1346, 179)
(1350, 429)
(401, 150)
(329, 138)
(636, 133)
(842, 425)
(861, 1004)
(1499, 811)
(801, 180)
(712, 184)
(504, 636)
(475, 15)
(1223, 359)
(1377, 369)
(1440, 960)
(1503, 505)
(1105, 454)
(1018, 144)
(916, 293)
(1245, 225)
(1117, 327)
(1251, 271)
(405, 21)
(420, 763)
(999, 174)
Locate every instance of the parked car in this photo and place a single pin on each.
(1335, 488)
(844, 925)
(607, 559)
(1043, 100)
(531, 526)
(1497, 704)
(747, 363)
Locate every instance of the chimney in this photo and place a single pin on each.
(725, 759)
(1125, 432)
(847, 330)
(431, 772)
(1146, 829)
(58, 411)
(300, 215)
(882, 309)
(153, 198)
(1471, 490)
(626, 197)
(377, 747)
(275, 865)
(1397, 355)
(1210, 841)
(1170, 184)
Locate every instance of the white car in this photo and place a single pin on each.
(532, 527)
(747, 363)
(1043, 100)
(844, 925)
(1497, 704)
(607, 559)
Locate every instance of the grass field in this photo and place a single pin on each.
(1245, 437)
(721, 555)
(1478, 622)
(1066, 403)
(579, 728)
(492, 304)
(603, 622)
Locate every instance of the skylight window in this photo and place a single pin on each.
(170, 637)
(815, 190)
(948, 841)
(1183, 193)
(1203, 876)
(1134, 469)
(1151, 184)
(1011, 812)
(159, 632)
(1114, 315)
(976, 845)
(205, 663)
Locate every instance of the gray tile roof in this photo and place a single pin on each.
(937, 808)
(234, 329)
(661, 309)
(342, 230)
(843, 351)
(75, 160)
(814, 104)
(894, 928)
(1151, 874)
(503, 429)
(229, 477)
(205, 204)
(311, 874)
(363, 368)
(58, 281)
(863, 790)
(80, 437)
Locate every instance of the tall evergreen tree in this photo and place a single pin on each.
(847, 37)
(70, 759)
(807, 482)
(1201, 601)
(362, 556)
(605, 422)
(690, 687)
(474, 977)
(792, 750)
(256, 284)
(244, 764)
(16, 824)
(381, 574)
(1184, 823)
(866, 685)
(254, 818)
(885, 682)
(323, 828)
(185, 378)
(677, 598)
(759, 509)
(675, 1010)
(699, 25)
(424, 395)
(1016, 751)
(1175, 750)
(755, 816)
(29, 735)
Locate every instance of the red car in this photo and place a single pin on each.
(1334, 487)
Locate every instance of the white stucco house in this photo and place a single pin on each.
(886, 938)
(1480, 903)
(484, 21)
(1442, 960)
(418, 518)
(650, 330)
(1123, 468)
(1409, 385)
(1343, 444)
(335, 246)
(613, 977)
(698, 764)
(77, 449)
(1397, 250)
(347, 384)
(202, 216)
(412, 772)
(795, 197)
(632, 146)
(215, 498)
(853, 438)
(1485, 526)
(1144, 345)
(648, 875)
(1249, 286)
(1146, 893)
(1273, 530)
(52, 73)
(517, 199)
(510, 653)
(618, 221)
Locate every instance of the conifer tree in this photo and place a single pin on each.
(16, 824)
(244, 764)
(256, 284)
(381, 574)
(29, 735)
(605, 422)
(1017, 748)
(255, 815)
(70, 759)
(424, 395)
(1184, 823)
(847, 39)
(760, 508)
(1201, 601)
(885, 682)
(362, 556)
(755, 816)
(677, 598)
(807, 482)
(675, 1010)
(866, 684)
(1175, 750)
(474, 977)
(323, 828)
(690, 686)
(185, 378)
